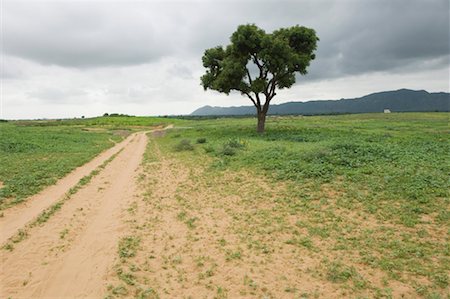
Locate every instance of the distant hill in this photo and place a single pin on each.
(403, 100)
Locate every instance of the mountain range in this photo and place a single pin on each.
(403, 100)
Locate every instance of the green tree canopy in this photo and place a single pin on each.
(257, 63)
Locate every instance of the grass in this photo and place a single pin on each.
(128, 246)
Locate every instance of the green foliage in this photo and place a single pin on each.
(230, 147)
(201, 140)
(126, 277)
(228, 150)
(235, 143)
(147, 294)
(128, 246)
(184, 145)
(337, 272)
(277, 57)
(209, 149)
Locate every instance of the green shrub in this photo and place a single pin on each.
(201, 140)
(227, 150)
(184, 145)
(236, 143)
(209, 149)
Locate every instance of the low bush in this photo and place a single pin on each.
(184, 145)
(235, 143)
(209, 149)
(228, 150)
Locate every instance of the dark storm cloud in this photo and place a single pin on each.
(384, 36)
(356, 37)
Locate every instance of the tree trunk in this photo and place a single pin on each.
(261, 122)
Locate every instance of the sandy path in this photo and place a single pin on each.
(69, 256)
(18, 216)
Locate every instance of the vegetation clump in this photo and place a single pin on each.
(228, 150)
(128, 246)
(236, 143)
(184, 145)
(230, 147)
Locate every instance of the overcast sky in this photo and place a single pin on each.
(73, 58)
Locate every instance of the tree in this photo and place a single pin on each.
(257, 63)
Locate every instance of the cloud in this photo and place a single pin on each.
(78, 34)
(55, 95)
(146, 55)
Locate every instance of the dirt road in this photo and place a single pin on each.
(18, 216)
(69, 255)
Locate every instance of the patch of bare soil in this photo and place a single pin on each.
(123, 133)
(70, 254)
(160, 132)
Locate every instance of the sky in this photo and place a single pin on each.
(64, 59)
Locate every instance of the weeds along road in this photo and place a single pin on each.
(48, 261)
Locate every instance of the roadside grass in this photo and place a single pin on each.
(32, 158)
(370, 188)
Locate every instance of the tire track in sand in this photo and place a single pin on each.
(18, 216)
(74, 264)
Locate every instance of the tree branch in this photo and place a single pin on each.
(256, 103)
(257, 99)
(260, 66)
(266, 92)
(272, 89)
(249, 77)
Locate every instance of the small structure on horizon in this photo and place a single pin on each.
(387, 111)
